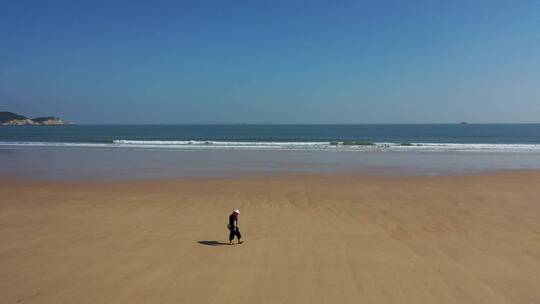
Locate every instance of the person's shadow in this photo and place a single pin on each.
(212, 243)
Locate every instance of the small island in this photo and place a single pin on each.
(12, 119)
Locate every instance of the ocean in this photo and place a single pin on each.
(168, 151)
(464, 137)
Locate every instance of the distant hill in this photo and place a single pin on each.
(7, 116)
(48, 120)
(42, 119)
(12, 119)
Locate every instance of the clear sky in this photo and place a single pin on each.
(271, 61)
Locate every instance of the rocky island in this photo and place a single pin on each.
(12, 119)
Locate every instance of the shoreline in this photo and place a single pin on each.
(375, 174)
(132, 164)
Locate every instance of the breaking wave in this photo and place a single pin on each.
(291, 145)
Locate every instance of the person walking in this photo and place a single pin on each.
(233, 227)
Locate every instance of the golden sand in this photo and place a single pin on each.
(309, 239)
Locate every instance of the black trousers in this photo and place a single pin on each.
(234, 232)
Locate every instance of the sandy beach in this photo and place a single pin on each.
(310, 238)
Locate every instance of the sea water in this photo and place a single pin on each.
(155, 151)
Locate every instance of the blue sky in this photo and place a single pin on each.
(272, 61)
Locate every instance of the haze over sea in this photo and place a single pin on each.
(160, 151)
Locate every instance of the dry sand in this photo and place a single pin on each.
(309, 239)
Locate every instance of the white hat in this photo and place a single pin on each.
(236, 211)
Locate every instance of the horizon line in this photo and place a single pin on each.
(304, 124)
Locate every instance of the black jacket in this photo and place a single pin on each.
(233, 221)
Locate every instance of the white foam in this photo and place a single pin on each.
(220, 143)
(275, 145)
(470, 147)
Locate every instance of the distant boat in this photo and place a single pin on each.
(463, 123)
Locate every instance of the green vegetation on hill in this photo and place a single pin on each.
(7, 116)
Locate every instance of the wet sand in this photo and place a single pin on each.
(310, 238)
